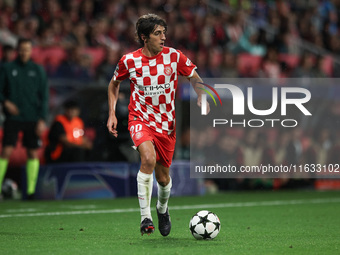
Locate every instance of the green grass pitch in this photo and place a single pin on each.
(296, 222)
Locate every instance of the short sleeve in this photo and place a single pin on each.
(185, 66)
(121, 73)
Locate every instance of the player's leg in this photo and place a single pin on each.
(9, 141)
(145, 184)
(32, 142)
(165, 147)
(164, 183)
(32, 171)
(164, 186)
(5, 155)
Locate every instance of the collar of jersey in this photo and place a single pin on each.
(151, 57)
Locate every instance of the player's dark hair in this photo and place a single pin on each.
(146, 24)
(23, 40)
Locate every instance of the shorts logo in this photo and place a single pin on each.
(168, 70)
(139, 135)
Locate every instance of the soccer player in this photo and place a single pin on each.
(153, 72)
(24, 96)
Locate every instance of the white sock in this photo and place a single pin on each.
(144, 186)
(163, 196)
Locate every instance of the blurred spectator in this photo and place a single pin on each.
(201, 62)
(7, 37)
(66, 140)
(235, 31)
(323, 145)
(271, 67)
(71, 10)
(281, 155)
(286, 44)
(49, 11)
(252, 148)
(78, 36)
(8, 54)
(98, 35)
(214, 63)
(329, 13)
(250, 42)
(76, 66)
(105, 69)
(32, 28)
(228, 152)
(305, 67)
(317, 70)
(86, 10)
(229, 65)
(184, 149)
(254, 27)
(334, 152)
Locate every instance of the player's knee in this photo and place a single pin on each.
(148, 161)
(163, 180)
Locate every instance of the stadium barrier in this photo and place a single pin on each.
(105, 180)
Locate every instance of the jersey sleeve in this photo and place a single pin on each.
(121, 73)
(185, 66)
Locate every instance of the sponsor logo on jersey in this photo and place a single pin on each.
(153, 90)
(139, 135)
(168, 70)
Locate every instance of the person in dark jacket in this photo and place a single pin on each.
(24, 96)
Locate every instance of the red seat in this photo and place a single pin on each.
(327, 65)
(38, 56)
(97, 55)
(248, 65)
(292, 61)
(54, 56)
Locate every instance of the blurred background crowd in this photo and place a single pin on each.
(79, 43)
(87, 37)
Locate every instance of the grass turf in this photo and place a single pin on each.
(310, 225)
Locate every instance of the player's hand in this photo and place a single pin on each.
(112, 125)
(41, 127)
(199, 103)
(11, 108)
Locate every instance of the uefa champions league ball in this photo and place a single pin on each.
(205, 225)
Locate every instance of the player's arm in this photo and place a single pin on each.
(196, 81)
(43, 98)
(8, 105)
(113, 92)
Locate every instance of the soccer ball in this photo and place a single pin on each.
(205, 225)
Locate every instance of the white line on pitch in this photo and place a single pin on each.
(182, 207)
(22, 210)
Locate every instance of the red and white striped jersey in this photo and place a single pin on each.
(153, 82)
